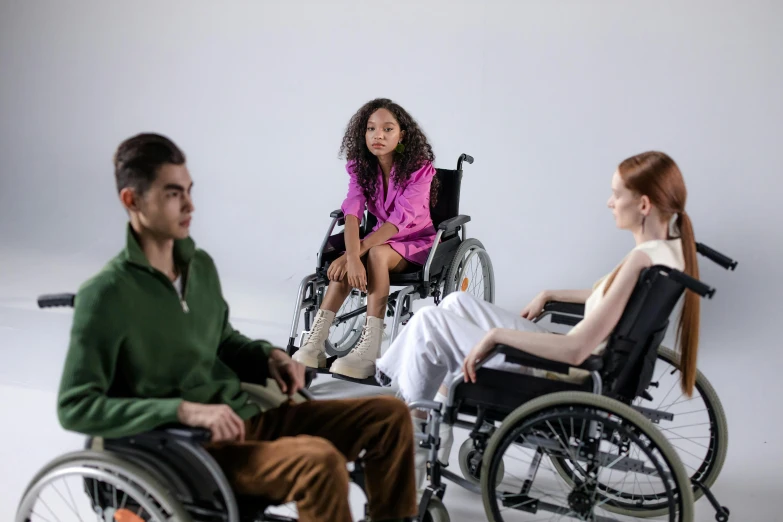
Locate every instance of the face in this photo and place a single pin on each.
(383, 133)
(627, 207)
(165, 208)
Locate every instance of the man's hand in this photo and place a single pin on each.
(224, 423)
(289, 374)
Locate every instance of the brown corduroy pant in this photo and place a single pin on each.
(299, 452)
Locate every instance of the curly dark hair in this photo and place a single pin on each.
(417, 151)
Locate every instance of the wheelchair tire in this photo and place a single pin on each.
(436, 511)
(709, 468)
(341, 345)
(106, 467)
(456, 279)
(587, 407)
(467, 452)
(707, 473)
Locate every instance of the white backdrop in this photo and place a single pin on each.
(547, 96)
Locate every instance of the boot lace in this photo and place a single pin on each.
(318, 327)
(364, 341)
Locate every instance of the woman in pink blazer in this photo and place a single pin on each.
(391, 174)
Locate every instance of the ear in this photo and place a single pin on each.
(130, 199)
(402, 135)
(644, 205)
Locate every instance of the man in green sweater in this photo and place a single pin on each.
(151, 344)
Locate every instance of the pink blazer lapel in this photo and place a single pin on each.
(391, 193)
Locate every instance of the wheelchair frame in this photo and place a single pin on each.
(421, 284)
(170, 459)
(570, 314)
(615, 389)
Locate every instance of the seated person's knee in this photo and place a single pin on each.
(456, 299)
(323, 461)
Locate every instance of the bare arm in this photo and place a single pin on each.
(379, 237)
(536, 306)
(351, 234)
(568, 296)
(577, 346)
(356, 247)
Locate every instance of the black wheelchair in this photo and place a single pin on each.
(455, 263)
(584, 438)
(164, 475)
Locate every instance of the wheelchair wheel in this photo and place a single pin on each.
(470, 461)
(87, 484)
(699, 431)
(436, 511)
(607, 441)
(471, 271)
(345, 331)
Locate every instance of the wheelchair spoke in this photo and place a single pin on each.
(697, 431)
(599, 464)
(50, 511)
(71, 507)
(106, 490)
(46, 519)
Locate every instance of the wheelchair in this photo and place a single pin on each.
(163, 475)
(455, 263)
(592, 432)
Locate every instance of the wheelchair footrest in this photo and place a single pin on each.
(654, 415)
(369, 381)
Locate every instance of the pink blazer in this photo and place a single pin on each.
(407, 208)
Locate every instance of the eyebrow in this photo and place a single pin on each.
(385, 123)
(175, 186)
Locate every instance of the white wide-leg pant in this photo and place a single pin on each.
(431, 348)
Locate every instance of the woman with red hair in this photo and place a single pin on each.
(648, 200)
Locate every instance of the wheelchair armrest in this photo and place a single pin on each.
(181, 432)
(514, 356)
(338, 217)
(565, 313)
(450, 225)
(55, 300)
(565, 308)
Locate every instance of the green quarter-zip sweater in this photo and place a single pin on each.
(137, 349)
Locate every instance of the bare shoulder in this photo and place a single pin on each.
(629, 272)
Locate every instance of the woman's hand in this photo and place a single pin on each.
(536, 306)
(357, 275)
(337, 269)
(478, 353)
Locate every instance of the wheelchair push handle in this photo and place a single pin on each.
(715, 256)
(692, 284)
(464, 157)
(56, 300)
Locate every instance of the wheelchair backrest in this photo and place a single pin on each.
(631, 351)
(446, 207)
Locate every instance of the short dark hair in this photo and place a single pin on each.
(137, 160)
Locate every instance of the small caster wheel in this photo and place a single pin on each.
(467, 452)
(436, 511)
(723, 516)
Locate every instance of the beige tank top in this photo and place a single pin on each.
(666, 252)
